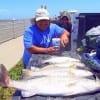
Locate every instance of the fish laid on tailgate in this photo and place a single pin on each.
(47, 85)
(58, 70)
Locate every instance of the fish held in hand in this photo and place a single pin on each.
(61, 86)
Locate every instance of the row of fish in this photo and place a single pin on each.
(52, 80)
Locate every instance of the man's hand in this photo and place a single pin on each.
(52, 49)
(65, 38)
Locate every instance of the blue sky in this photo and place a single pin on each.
(26, 8)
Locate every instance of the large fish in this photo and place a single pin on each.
(42, 60)
(61, 86)
(58, 70)
(60, 59)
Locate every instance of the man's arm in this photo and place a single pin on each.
(36, 49)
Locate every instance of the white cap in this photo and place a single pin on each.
(41, 14)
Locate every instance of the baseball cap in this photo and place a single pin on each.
(42, 13)
(66, 14)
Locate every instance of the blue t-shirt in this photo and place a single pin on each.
(34, 36)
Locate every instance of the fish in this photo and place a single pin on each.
(60, 59)
(48, 85)
(58, 70)
(42, 60)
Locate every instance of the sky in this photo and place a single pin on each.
(20, 9)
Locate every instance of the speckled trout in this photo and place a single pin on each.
(53, 86)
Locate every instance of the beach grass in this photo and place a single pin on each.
(15, 74)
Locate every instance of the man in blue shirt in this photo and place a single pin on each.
(38, 36)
